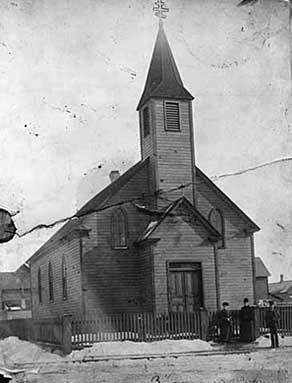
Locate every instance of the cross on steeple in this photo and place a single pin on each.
(160, 10)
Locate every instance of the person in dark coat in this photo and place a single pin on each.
(224, 321)
(272, 321)
(246, 320)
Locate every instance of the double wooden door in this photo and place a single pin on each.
(185, 286)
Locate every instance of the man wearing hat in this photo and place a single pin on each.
(246, 320)
(224, 321)
(272, 321)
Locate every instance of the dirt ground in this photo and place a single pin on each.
(261, 366)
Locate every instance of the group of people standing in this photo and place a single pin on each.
(246, 322)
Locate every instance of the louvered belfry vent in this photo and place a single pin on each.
(172, 116)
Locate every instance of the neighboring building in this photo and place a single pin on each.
(15, 294)
(262, 284)
(281, 291)
(160, 237)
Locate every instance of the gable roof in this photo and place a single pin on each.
(13, 280)
(280, 287)
(153, 225)
(253, 226)
(261, 270)
(95, 203)
(112, 188)
(163, 79)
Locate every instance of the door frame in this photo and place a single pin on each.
(168, 279)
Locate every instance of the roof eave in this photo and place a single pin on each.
(86, 210)
(146, 241)
(213, 236)
(144, 100)
(253, 227)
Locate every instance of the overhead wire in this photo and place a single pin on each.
(158, 194)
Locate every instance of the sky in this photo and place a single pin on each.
(71, 75)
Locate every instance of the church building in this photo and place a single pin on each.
(160, 237)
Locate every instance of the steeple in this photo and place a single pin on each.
(163, 79)
(166, 124)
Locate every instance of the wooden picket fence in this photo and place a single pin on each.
(145, 327)
(260, 327)
(285, 322)
(69, 333)
(214, 329)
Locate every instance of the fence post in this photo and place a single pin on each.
(256, 323)
(141, 332)
(67, 334)
(203, 324)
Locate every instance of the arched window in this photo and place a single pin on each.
(217, 221)
(64, 279)
(51, 283)
(119, 229)
(40, 286)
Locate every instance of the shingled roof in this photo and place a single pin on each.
(163, 79)
(13, 280)
(253, 226)
(95, 203)
(261, 270)
(280, 287)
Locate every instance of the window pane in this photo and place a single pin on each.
(40, 286)
(64, 279)
(51, 292)
(119, 229)
(146, 121)
(178, 284)
(217, 221)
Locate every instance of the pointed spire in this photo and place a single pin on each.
(163, 79)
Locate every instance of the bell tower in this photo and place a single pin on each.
(166, 124)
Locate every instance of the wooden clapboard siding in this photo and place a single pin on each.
(235, 272)
(70, 249)
(180, 242)
(235, 261)
(90, 241)
(174, 151)
(146, 282)
(171, 153)
(149, 147)
(106, 279)
(262, 288)
(207, 199)
(147, 143)
(134, 279)
(111, 277)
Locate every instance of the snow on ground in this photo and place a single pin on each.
(14, 351)
(264, 366)
(140, 348)
(264, 341)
